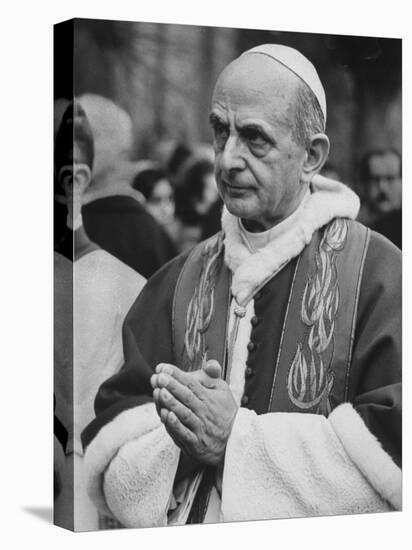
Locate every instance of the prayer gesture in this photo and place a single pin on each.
(197, 409)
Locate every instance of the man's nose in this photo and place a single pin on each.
(384, 184)
(231, 158)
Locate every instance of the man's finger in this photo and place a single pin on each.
(182, 436)
(164, 413)
(211, 374)
(213, 369)
(185, 378)
(194, 380)
(156, 399)
(181, 392)
(168, 368)
(153, 381)
(161, 367)
(183, 413)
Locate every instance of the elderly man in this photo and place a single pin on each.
(381, 172)
(262, 373)
(382, 178)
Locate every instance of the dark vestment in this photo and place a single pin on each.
(390, 226)
(122, 227)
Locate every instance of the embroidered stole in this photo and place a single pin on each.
(311, 373)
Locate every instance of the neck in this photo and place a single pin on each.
(76, 244)
(74, 211)
(82, 244)
(261, 225)
(257, 226)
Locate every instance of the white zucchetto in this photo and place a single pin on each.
(298, 64)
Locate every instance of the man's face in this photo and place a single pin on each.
(258, 165)
(74, 179)
(384, 184)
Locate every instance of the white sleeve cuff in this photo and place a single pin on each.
(130, 467)
(367, 453)
(281, 465)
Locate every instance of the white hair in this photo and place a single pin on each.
(309, 118)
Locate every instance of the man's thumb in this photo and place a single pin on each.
(213, 369)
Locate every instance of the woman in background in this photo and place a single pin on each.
(158, 193)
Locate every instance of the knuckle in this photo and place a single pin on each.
(186, 415)
(168, 369)
(189, 397)
(192, 383)
(162, 379)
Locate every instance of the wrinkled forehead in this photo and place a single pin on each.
(255, 78)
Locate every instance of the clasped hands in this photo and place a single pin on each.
(197, 409)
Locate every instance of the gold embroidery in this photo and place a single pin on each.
(311, 378)
(201, 306)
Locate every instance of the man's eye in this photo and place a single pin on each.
(254, 136)
(221, 133)
(220, 130)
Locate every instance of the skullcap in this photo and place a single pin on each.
(298, 64)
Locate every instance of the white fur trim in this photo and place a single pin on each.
(281, 465)
(138, 483)
(328, 200)
(367, 453)
(130, 425)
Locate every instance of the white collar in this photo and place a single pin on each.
(251, 271)
(257, 241)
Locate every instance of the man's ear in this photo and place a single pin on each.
(316, 155)
(82, 176)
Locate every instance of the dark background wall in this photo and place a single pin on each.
(164, 74)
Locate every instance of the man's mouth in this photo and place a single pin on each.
(236, 187)
(382, 197)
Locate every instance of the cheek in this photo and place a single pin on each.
(218, 179)
(153, 209)
(373, 191)
(398, 189)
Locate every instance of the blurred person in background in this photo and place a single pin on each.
(158, 194)
(93, 291)
(113, 216)
(178, 156)
(381, 181)
(198, 205)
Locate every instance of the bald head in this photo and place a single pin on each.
(298, 64)
(255, 75)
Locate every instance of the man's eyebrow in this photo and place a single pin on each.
(251, 126)
(255, 123)
(255, 126)
(215, 119)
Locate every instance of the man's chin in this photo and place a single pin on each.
(239, 209)
(385, 207)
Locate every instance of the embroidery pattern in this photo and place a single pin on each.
(311, 378)
(202, 303)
